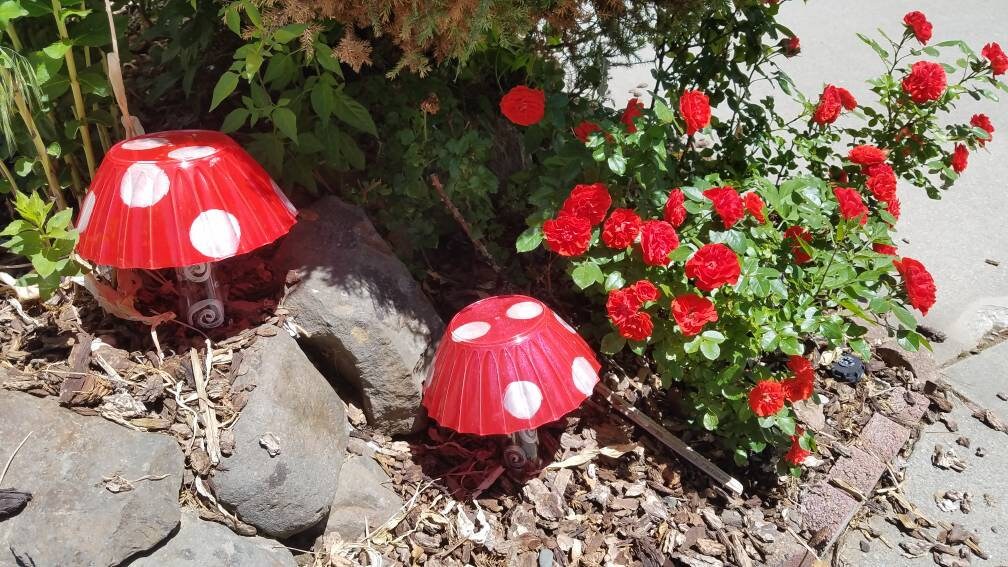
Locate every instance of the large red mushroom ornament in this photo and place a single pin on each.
(505, 366)
(182, 199)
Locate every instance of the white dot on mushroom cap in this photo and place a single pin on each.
(564, 323)
(522, 399)
(584, 375)
(145, 144)
(470, 331)
(525, 310)
(215, 233)
(286, 202)
(192, 152)
(143, 184)
(87, 207)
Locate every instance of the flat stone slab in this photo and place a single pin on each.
(72, 519)
(199, 542)
(364, 501)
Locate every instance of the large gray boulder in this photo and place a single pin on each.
(362, 311)
(290, 441)
(205, 543)
(365, 499)
(72, 518)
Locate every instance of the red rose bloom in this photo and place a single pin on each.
(959, 158)
(919, 285)
(621, 229)
(866, 155)
(727, 203)
(830, 102)
(588, 202)
(790, 46)
(799, 387)
(887, 249)
(919, 25)
(633, 110)
(675, 212)
(658, 240)
(691, 312)
(644, 291)
(983, 122)
(851, 205)
(637, 327)
(801, 367)
(755, 205)
(523, 106)
(998, 59)
(796, 455)
(695, 109)
(621, 305)
(713, 266)
(567, 235)
(882, 181)
(846, 98)
(799, 233)
(893, 206)
(926, 82)
(585, 129)
(766, 398)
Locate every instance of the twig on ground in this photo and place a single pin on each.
(3, 473)
(209, 416)
(436, 182)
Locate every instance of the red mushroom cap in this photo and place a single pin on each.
(508, 363)
(180, 198)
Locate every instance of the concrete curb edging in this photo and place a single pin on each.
(825, 509)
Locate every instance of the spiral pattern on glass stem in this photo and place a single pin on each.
(206, 314)
(515, 458)
(197, 272)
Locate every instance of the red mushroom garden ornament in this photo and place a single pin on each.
(183, 200)
(506, 365)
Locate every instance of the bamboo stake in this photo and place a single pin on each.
(56, 192)
(7, 174)
(12, 33)
(79, 109)
(670, 440)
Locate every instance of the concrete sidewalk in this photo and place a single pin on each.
(952, 237)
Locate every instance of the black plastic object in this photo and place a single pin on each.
(848, 368)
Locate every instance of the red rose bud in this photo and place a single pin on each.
(588, 202)
(658, 240)
(727, 204)
(998, 59)
(633, 110)
(523, 106)
(887, 249)
(713, 266)
(866, 155)
(851, 205)
(984, 123)
(893, 206)
(918, 24)
(959, 158)
(675, 212)
(766, 398)
(695, 109)
(799, 234)
(621, 229)
(755, 206)
(790, 46)
(691, 312)
(925, 82)
(797, 456)
(585, 129)
(918, 283)
(567, 235)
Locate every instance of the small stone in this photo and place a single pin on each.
(950, 424)
(1003, 396)
(199, 461)
(180, 430)
(865, 547)
(964, 441)
(732, 517)
(270, 442)
(364, 499)
(981, 452)
(546, 558)
(198, 542)
(227, 442)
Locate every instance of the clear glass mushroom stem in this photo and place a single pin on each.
(201, 299)
(523, 450)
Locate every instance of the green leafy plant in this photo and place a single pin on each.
(46, 238)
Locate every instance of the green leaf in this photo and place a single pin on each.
(57, 50)
(44, 266)
(713, 336)
(586, 274)
(786, 423)
(614, 280)
(234, 120)
(617, 163)
(11, 10)
(710, 421)
(353, 113)
(286, 121)
(232, 19)
(612, 343)
(225, 86)
(663, 112)
(323, 100)
(59, 221)
(710, 349)
(289, 32)
(693, 346)
(905, 317)
(790, 345)
(530, 239)
(874, 45)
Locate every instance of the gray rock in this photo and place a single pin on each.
(72, 519)
(206, 543)
(362, 311)
(292, 490)
(364, 499)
